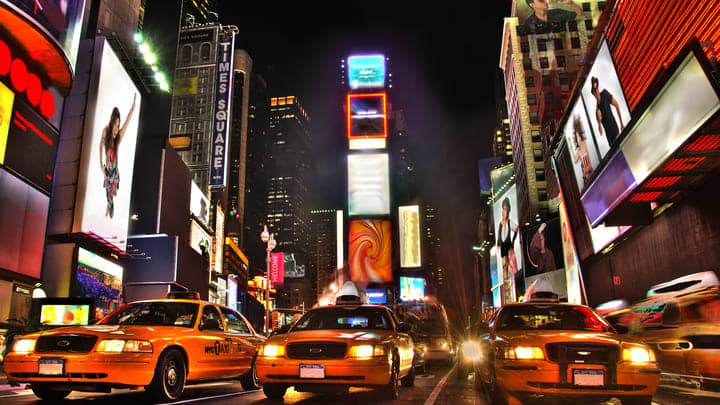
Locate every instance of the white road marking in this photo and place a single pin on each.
(434, 395)
(187, 401)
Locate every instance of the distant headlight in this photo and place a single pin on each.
(24, 346)
(638, 355)
(442, 343)
(471, 351)
(362, 351)
(273, 351)
(127, 346)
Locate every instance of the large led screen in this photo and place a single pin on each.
(572, 265)
(64, 315)
(106, 171)
(199, 204)
(605, 102)
(367, 116)
(409, 224)
(200, 240)
(508, 246)
(412, 288)
(376, 295)
(581, 145)
(7, 97)
(543, 248)
(23, 217)
(366, 71)
(100, 279)
(370, 256)
(368, 184)
(534, 13)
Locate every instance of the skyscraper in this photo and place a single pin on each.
(433, 269)
(322, 256)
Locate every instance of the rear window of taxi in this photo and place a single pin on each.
(550, 317)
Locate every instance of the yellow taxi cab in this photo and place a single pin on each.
(333, 348)
(554, 351)
(160, 345)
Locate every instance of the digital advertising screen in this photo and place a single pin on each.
(219, 238)
(108, 158)
(605, 101)
(543, 248)
(581, 145)
(534, 12)
(370, 254)
(293, 267)
(100, 279)
(409, 225)
(366, 71)
(368, 184)
(199, 204)
(508, 246)
(412, 288)
(376, 295)
(200, 240)
(367, 115)
(64, 315)
(232, 290)
(572, 264)
(7, 98)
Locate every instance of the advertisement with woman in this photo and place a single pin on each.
(508, 241)
(581, 145)
(108, 150)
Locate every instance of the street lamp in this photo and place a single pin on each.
(268, 238)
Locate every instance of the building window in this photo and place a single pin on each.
(535, 133)
(601, 5)
(588, 24)
(533, 117)
(532, 99)
(205, 52)
(575, 42)
(586, 7)
(544, 63)
(542, 195)
(542, 45)
(559, 44)
(525, 46)
(527, 64)
(529, 81)
(560, 61)
(186, 53)
(538, 155)
(563, 78)
(540, 174)
(549, 99)
(546, 80)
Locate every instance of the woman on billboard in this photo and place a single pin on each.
(111, 138)
(579, 150)
(507, 233)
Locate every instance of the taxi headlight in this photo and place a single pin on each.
(24, 346)
(638, 355)
(442, 343)
(471, 351)
(521, 353)
(362, 351)
(273, 350)
(127, 346)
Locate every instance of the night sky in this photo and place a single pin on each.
(444, 60)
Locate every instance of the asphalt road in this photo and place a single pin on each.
(439, 386)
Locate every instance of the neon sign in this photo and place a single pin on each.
(26, 82)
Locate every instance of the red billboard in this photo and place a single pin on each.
(277, 268)
(367, 115)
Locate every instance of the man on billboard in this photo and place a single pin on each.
(605, 120)
(111, 138)
(544, 14)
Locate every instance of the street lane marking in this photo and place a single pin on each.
(434, 395)
(232, 394)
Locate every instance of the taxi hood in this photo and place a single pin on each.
(112, 331)
(333, 335)
(537, 338)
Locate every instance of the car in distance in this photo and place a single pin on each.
(563, 351)
(161, 345)
(333, 348)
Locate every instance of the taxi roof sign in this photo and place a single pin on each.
(183, 295)
(540, 290)
(351, 294)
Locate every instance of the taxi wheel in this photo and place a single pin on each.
(392, 389)
(274, 391)
(409, 380)
(44, 392)
(169, 380)
(251, 381)
(636, 400)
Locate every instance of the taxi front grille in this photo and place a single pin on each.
(565, 353)
(68, 343)
(316, 350)
(615, 387)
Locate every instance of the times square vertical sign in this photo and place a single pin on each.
(221, 116)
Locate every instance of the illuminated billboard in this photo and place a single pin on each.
(605, 102)
(100, 279)
(376, 295)
(366, 71)
(64, 315)
(534, 14)
(581, 145)
(367, 115)
(199, 204)
(108, 158)
(543, 248)
(219, 237)
(409, 226)
(370, 254)
(200, 240)
(508, 246)
(221, 114)
(7, 97)
(368, 184)
(572, 264)
(412, 288)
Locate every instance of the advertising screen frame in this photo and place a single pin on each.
(109, 82)
(509, 283)
(102, 294)
(410, 243)
(583, 154)
(74, 301)
(374, 63)
(199, 204)
(352, 118)
(368, 184)
(370, 250)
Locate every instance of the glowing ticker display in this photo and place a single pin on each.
(366, 71)
(370, 255)
(409, 224)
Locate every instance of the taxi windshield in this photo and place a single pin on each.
(550, 317)
(154, 313)
(344, 318)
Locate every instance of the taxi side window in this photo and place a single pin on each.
(234, 322)
(210, 312)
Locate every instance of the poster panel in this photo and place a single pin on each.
(409, 226)
(508, 246)
(581, 145)
(370, 255)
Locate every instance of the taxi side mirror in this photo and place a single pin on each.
(211, 324)
(404, 327)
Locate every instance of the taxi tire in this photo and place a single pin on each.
(250, 381)
(409, 379)
(170, 370)
(43, 391)
(636, 400)
(392, 389)
(274, 391)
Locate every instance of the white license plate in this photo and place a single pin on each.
(51, 367)
(588, 377)
(312, 371)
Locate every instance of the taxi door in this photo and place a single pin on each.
(214, 347)
(244, 341)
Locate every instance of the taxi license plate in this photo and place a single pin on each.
(312, 371)
(589, 377)
(51, 366)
